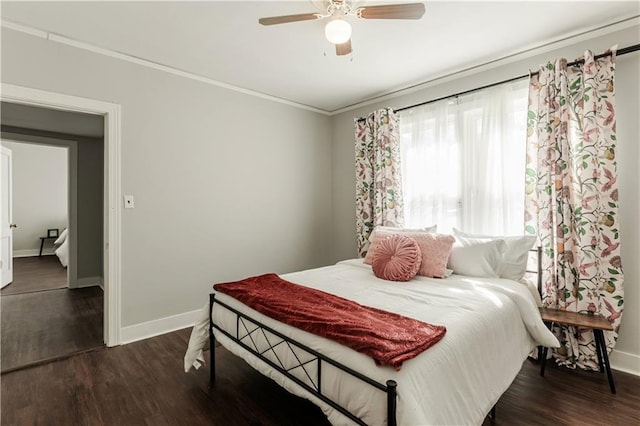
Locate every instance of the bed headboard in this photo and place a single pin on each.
(538, 270)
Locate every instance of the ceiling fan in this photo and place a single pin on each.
(338, 29)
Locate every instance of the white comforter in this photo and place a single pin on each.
(492, 325)
(62, 250)
(63, 253)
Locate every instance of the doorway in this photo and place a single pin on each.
(111, 250)
(54, 306)
(38, 185)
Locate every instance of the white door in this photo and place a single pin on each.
(6, 227)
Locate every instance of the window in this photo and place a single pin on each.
(463, 161)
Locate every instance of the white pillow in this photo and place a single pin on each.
(430, 229)
(61, 238)
(476, 258)
(515, 253)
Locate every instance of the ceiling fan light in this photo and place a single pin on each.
(338, 31)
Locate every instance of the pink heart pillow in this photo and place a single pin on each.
(397, 258)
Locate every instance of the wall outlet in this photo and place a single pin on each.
(128, 202)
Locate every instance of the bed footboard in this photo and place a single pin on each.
(314, 381)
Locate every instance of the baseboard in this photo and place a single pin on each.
(157, 327)
(626, 362)
(32, 252)
(88, 282)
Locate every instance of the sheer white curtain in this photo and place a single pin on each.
(463, 161)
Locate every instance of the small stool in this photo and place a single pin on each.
(597, 323)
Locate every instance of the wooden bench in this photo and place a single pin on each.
(597, 323)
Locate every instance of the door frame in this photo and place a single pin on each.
(112, 268)
(72, 190)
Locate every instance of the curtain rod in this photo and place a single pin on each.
(619, 52)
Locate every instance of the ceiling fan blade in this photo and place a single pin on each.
(273, 20)
(392, 11)
(344, 48)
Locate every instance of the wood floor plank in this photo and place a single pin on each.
(143, 383)
(571, 397)
(36, 273)
(48, 324)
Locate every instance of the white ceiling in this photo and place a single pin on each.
(224, 42)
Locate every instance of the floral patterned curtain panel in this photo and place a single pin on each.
(572, 197)
(378, 181)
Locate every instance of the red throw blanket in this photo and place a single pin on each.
(388, 338)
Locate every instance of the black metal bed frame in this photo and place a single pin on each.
(247, 326)
(538, 271)
(247, 342)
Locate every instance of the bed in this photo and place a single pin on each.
(492, 324)
(62, 248)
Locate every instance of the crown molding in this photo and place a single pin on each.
(57, 38)
(527, 52)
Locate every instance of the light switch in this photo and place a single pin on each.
(128, 202)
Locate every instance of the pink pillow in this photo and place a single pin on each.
(397, 258)
(382, 232)
(435, 248)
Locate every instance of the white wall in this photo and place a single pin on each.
(40, 200)
(226, 184)
(627, 354)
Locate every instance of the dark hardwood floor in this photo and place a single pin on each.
(31, 274)
(48, 324)
(143, 383)
(569, 397)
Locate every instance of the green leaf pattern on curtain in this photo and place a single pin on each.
(378, 180)
(572, 197)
